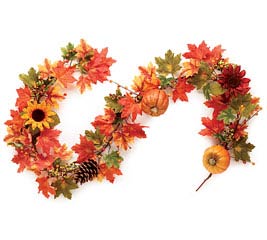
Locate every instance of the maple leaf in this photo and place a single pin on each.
(16, 123)
(84, 51)
(45, 70)
(45, 187)
(134, 130)
(97, 69)
(113, 159)
(104, 122)
(69, 52)
(213, 126)
(191, 67)
(62, 153)
(109, 173)
(168, 65)
(212, 89)
(203, 52)
(85, 149)
(64, 74)
(217, 103)
(181, 88)
(203, 75)
(53, 95)
(241, 149)
(112, 101)
(24, 95)
(47, 141)
(122, 139)
(29, 79)
(227, 115)
(64, 187)
(239, 129)
(147, 80)
(23, 159)
(130, 107)
(124, 136)
(95, 136)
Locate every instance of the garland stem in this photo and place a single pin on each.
(126, 88)
(206, 179)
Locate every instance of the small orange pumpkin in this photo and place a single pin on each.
(155, 102)
(216, 159)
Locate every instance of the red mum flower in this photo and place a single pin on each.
(233, 81)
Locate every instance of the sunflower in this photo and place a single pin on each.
(38, 115)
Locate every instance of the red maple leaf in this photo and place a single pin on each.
(23, 159)
(181, 88)
(104, 122)
(213, 126)
(203, 52)
(134, 130)
(24, 95)
(45, 187)
(125, 135)
(109, 172)
(64, 74)
(97, 69)
(217, 103)
(239, 129)
(47, 141)
(16, 122)
(85, 149)
(130, 107)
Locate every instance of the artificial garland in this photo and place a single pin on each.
(32, 133)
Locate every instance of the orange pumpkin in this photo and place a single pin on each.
(216, 159)
(155, 102)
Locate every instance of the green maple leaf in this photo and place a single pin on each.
(112, 101)
(240, 100)
(201, 78)
(29, 79)
(113, 159)
(168, 65)
(227, 115)
(166, 81)
(64, 187)
(241, 149)
(212, 88)
(56, 120)
(95, 136)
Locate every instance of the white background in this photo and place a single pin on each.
(155, 198)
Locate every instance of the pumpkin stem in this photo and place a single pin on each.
(207, 178)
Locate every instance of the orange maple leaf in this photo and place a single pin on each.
(181, 88)
(47, 141)
(64, 74)
(46, 70)
(122, 139)
(85, 149)
(124, 136)
(83, 49)
(147, 80)
(191, 67)
(203, 53)
(104, 122)
(53, 95)
(109, 173)
(130, 107)
(45, 187)
(97, 69)
(23, 159)
(24, 95)
(213, 126)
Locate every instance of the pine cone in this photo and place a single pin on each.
(86, 172)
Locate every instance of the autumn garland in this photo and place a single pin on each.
(32, 133)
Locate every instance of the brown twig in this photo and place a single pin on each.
(206, 179)
(126, 88)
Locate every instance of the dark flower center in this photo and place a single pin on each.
(38, 115)
(233, 82)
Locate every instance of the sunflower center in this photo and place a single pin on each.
(212, 161)
(38, 115)
(234, 82)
